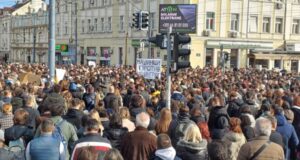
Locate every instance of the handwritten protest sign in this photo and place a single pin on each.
(149, 68)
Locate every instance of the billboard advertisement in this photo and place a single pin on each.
(182, 18)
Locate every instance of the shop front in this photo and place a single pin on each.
(238, 51)
(105, 56)
(63, 55)
(91, 55)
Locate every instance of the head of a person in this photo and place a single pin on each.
(21, 116)
(137, 101)
(88, 153)
(164, 121)
(115, 121)
(95, 115)
(124, 113)
(113, 154)
(93, 126)
(57, 88)
(296, 101)
(235, 125)
(245, 120)
(263, 127)
(76, 103)
(193, 134)
(163, 141)
(30, 101)
(142, 120)
(56, 109)
(90, 89)
(273, 120)
(111, 89)
(217, 150)
(47, 126)
(7, 108)
(215, 102)
(7, 94)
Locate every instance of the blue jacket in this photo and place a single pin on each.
(288, 133)
(45, 147)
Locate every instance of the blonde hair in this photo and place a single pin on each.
(7, 108)
(95, 115)
(30, 101)
(124, 113)
(193, 134)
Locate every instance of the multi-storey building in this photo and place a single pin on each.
(5, 15)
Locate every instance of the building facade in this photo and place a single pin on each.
(5, 15)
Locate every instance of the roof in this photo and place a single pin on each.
(19, 5)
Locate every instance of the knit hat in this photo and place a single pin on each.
(2, 135)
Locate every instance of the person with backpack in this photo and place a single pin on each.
(4, 152)
(45, 147)
(64, 130)
(178, 127)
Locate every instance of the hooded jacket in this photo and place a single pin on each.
(165, 154)
(237, 140)
(193, 151)
(296, 122)
(288, 133)
(218, 122)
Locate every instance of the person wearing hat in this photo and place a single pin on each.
(4, 153)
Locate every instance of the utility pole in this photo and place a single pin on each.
(52, 41)
(149, 30)
(168, 73)
(76, 34)
(34, 38)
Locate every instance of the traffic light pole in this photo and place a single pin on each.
(168, 74)
(51, 53)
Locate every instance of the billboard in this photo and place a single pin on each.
(182, 18)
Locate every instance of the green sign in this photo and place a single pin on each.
(62, 47)
(135, 43)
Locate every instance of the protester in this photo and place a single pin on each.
(164, 121)
(74, 114)
(165, 150)
(126, 122)
(46, 146)
(92, 140)
(192, 146)
(139, 144)
(6, 120)
(236, 137)
(263, 129)
(5, 154)
(34, 115)
(113, 154)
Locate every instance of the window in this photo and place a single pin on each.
(121, 23)
(152, 20)
(234, 22)
(102, 24)
(82, 26)
(210, 20)
(82, 4)
(57, 29)
(92, 3)
(109, 24)
(96, 24)
(66, 6)
(296, 26)
(89, 25)
(253, 23)
(158, 54)
(278, 25)
(266, 24)
(66, 27)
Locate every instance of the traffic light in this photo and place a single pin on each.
(179, 53)
(144, 22)
(136, 20)
(159, 40)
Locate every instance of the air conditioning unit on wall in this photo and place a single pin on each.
(206, 33)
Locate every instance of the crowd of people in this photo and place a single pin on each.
(112, 113)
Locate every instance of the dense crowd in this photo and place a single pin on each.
(112, 113)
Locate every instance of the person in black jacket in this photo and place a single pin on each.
(74, 115)
(89, 98)
(109, 96)
(19, 129)
(115, 132)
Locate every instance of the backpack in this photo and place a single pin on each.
(181, 128)
(17, 149)
(57, 134)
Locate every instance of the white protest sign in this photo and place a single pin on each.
(149, 68)
(60, 74)
(92, 63)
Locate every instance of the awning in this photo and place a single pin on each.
(270, 56)
(239, 44)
